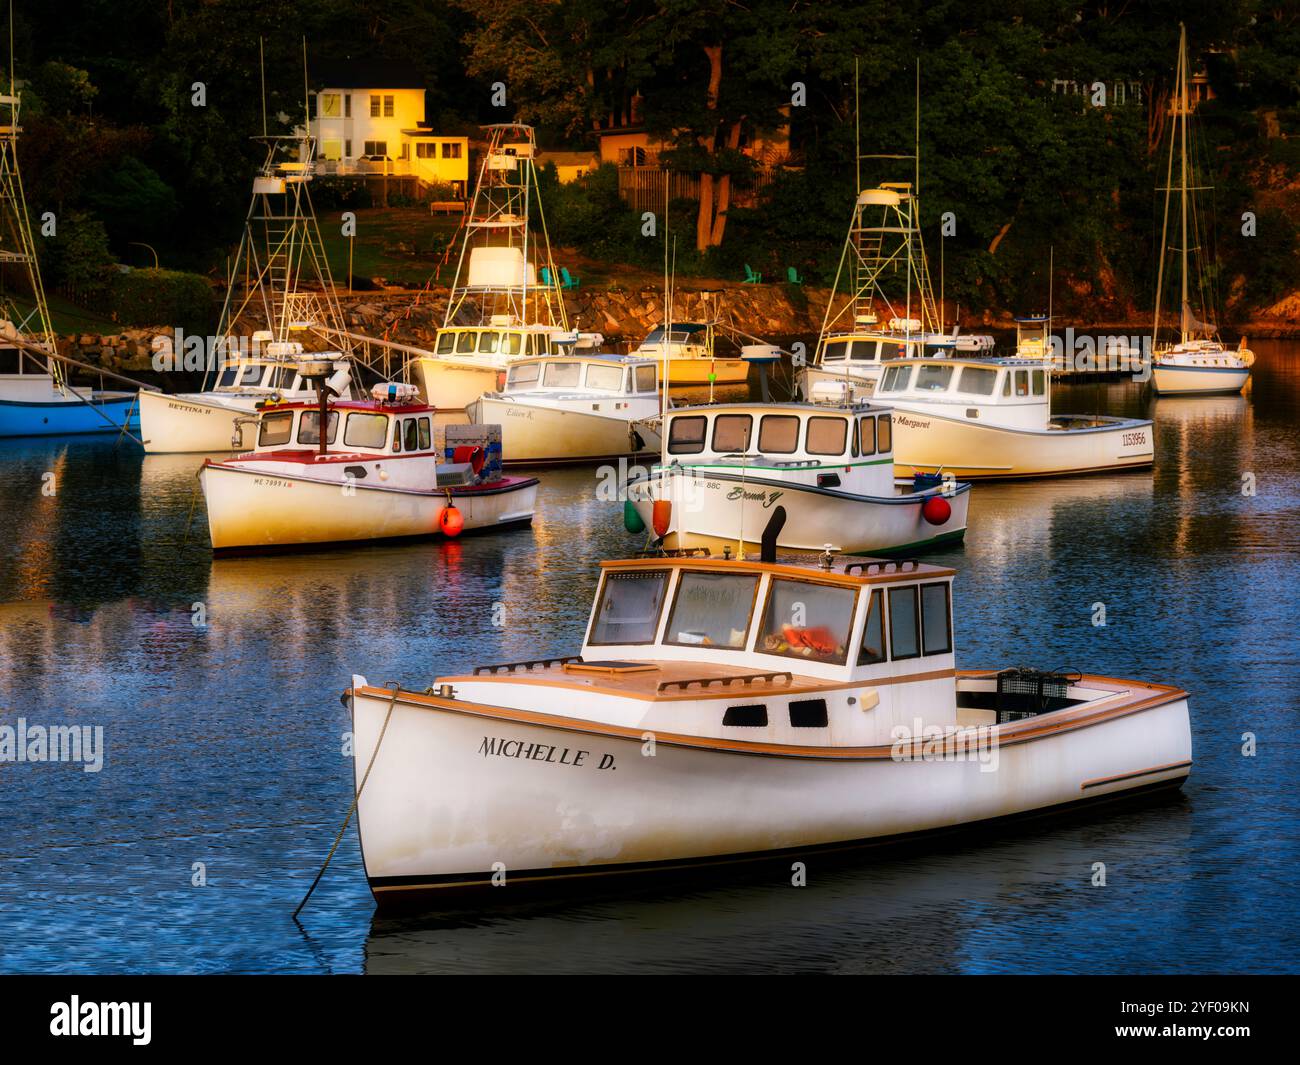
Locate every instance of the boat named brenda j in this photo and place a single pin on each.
(375, 474)
(827, 473)
(992, 417)
(724, 710)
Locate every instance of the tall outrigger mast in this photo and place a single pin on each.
(498, 266)
(884, 235)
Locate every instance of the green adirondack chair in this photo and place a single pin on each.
(567, 279)
(752, 278)
(792, 275)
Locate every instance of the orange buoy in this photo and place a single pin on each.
(451, 523)
(936, 510)
(661, 517)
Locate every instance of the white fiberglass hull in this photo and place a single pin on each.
(460, 792)
(715, 510)
(193, 423)
(452, 384)
(250, 509)
(821, 384)
(536, 433)
(1169, 379)
(967, 449)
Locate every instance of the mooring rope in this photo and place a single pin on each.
(355, 799)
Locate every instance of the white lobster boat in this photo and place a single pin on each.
(689, 349)
(375, 474)
(723, 711)
(215, 420)
(1200, 367)
(992, 417)
(727, 469)
(574, 408)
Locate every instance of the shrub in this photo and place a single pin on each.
(161, 297)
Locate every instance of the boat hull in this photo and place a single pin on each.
(1174, 380)
(251, 510)
(714, 510)
(453, 384)
(106, 413)
(685, 372)
(539, 434)
(180, 424)
(926, 441)
(460, 792)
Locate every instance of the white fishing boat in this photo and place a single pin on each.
(217, 419)
(689, 349)
(374, 474)
(1198, 363)
(724, 710)
(506, 301)
(992, 417)
(281, 273)
(726, 469)
(574, 408)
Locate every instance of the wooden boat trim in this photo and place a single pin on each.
(1027, 731)
(1100, 781)
(815, 576)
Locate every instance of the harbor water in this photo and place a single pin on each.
(225, 774)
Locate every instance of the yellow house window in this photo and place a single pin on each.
(388, 107)
(375, 104)
(329, 105)
(451, 150)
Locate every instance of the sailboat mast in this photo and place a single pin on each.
(1182, 127)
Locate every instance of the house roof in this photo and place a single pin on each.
(364, 74)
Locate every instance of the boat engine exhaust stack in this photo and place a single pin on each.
(774, 526)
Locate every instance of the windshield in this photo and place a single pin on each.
(628, 611)
(803, 620)
(712, 610)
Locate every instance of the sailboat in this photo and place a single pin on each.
(280, 252)
(505, 302)
(1198, 363)
(36, 398)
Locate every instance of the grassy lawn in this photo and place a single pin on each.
(403, 245)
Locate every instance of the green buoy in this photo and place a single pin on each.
(631, 519)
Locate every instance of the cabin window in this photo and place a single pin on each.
(252, 374)
(873, 633)
(562, 374)
(885, 434)
(904, 637)
(446, 341)
(712, 610)
(867, 435)
(410, 435)
(365, 430)
(465, 342)
(309, 427)
(731, 432)
(750, 715)
(1006, 383)
(274, 429)
(488, 341)
(1022, 382)
(229, 377)
(537, 344)
(931, 378)
(604, 378)
(686, 435)
(629, 606)
(778, 434)
(1040, 385)
(510, 343)
(864, 350)
(804, 620)
(522, 375)
(977, 380)
(397, 435)
(645, 379)
(827, 436)
(808, 713)
(426, 435)
(936, 634)
(280, 378)
(835, 351)
(895, 378)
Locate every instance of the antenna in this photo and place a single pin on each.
(857, 133)
(261, 68)
(306, 93)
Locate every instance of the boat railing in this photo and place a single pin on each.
(745, 680)
(870, 569)
(526, 667)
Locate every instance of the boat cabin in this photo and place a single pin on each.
(1003, 391)
(850, 646)
(351, 425)
(874, 347)
(270, 374)
(685, 340)
(499, 341)
(592, 375)
(844, 448)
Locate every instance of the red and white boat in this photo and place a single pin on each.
(376, 475)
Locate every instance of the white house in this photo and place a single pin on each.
(368, 119)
